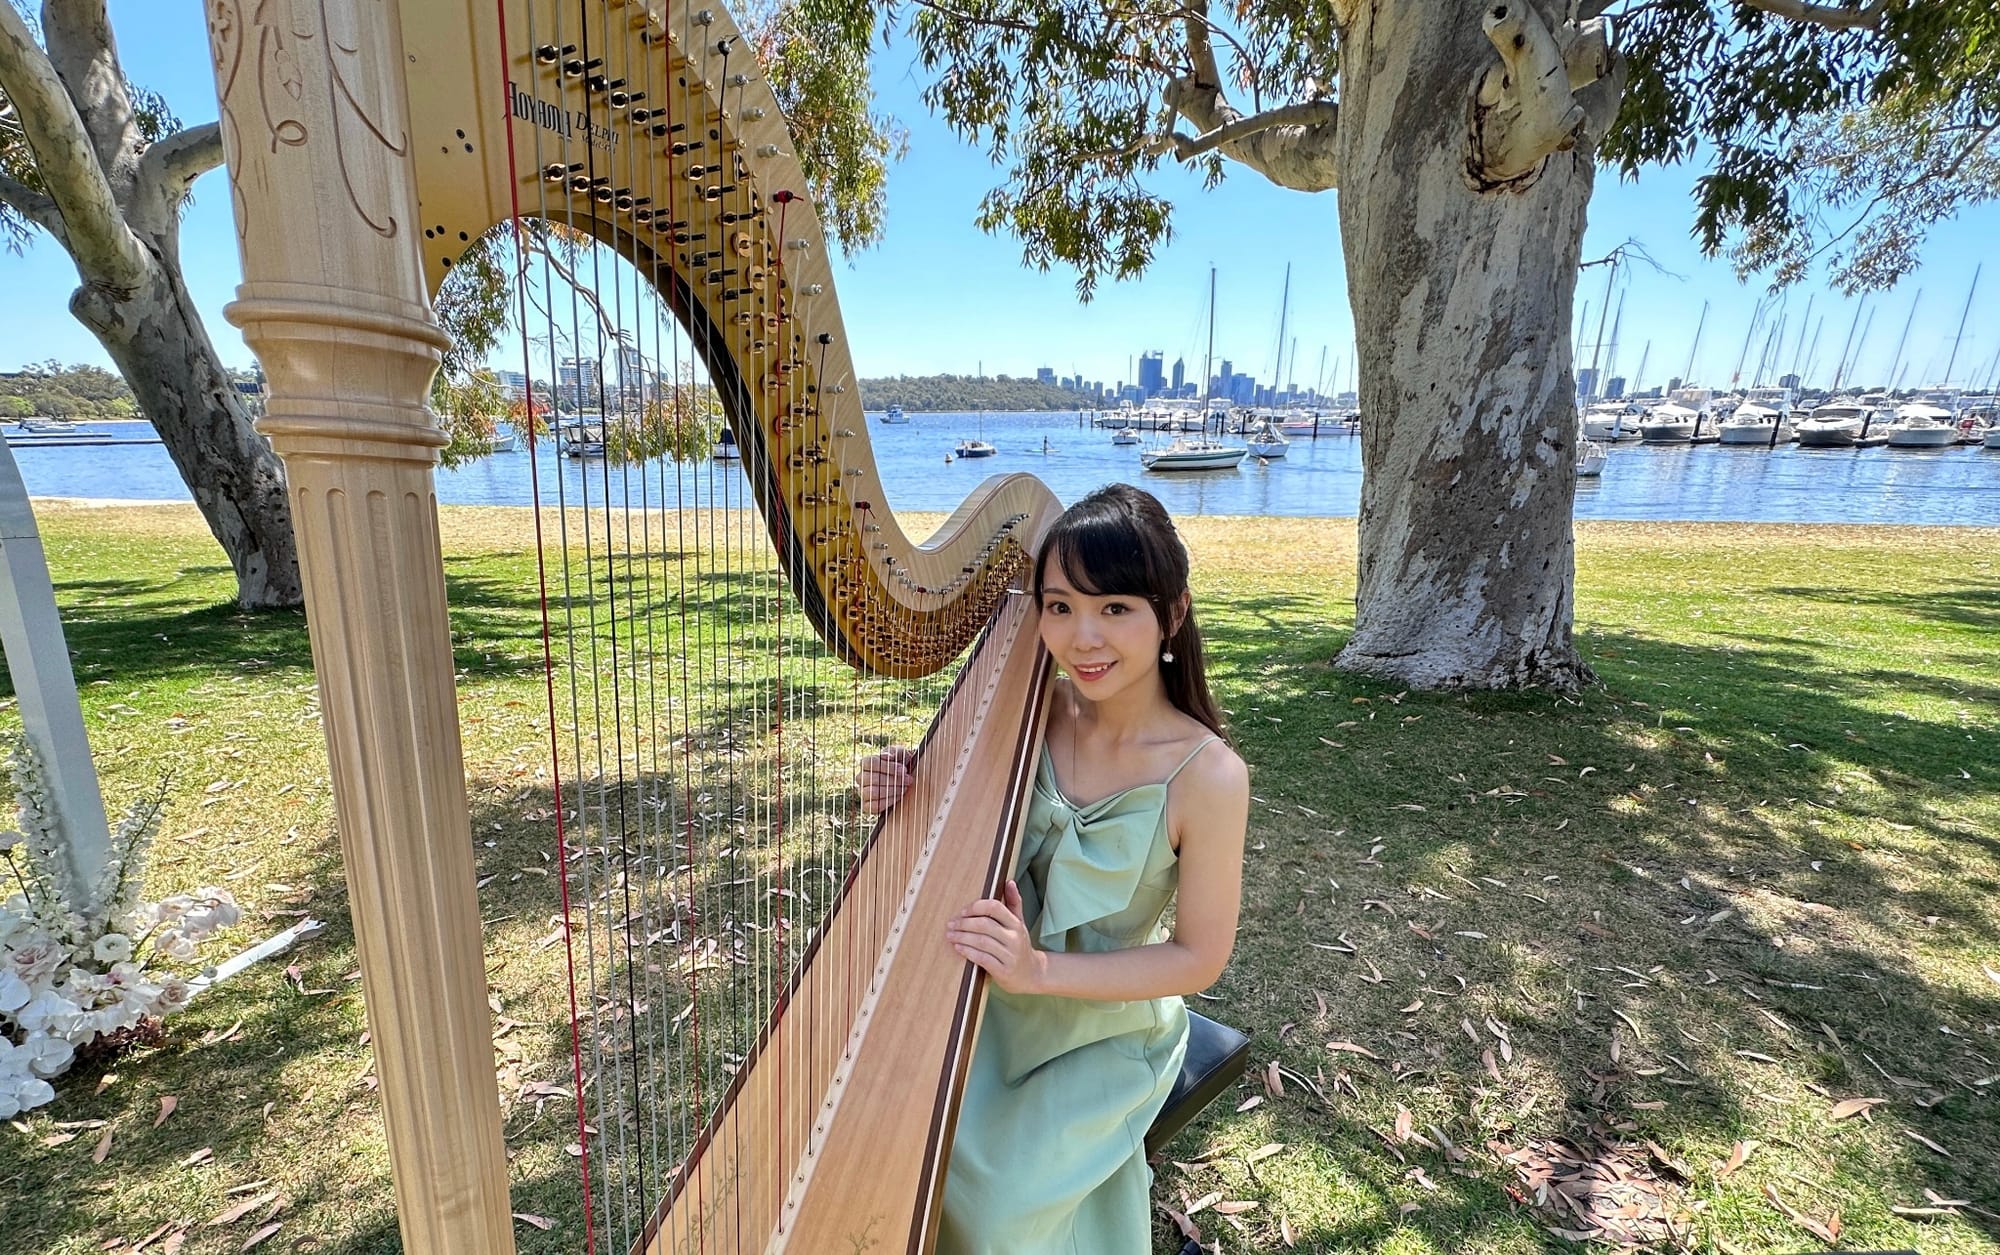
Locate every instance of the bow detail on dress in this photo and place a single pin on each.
(1096, 857)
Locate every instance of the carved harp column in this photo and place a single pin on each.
(315, 123)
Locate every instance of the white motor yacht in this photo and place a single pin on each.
(974, 449)
(1590, 459)
(1835, 425)
(1124, 435)
(1669, 424)
(1608, 423)
(726, 448)
(1753, 424)
(1921, 426)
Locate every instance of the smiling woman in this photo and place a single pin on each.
(1085, 1029)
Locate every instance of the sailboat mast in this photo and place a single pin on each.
(1208, 362)
(1284, 316)
(1701, 322)
(1952, 362)
(1903, 339)
(1840, 367)
(1598, 347)
(1799, 350)
(1319, 380)
(1639, 376)
(1756, 319)
(1611, 353)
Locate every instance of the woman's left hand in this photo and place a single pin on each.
(991, 935)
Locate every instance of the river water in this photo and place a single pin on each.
(1319, 476)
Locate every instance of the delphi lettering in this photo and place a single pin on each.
(567, 123)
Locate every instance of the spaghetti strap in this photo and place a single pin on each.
(1190, 758)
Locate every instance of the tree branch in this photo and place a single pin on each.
(174, 163)
(1292, 146)
(1832, 17)
(77, 34)
(94, 229)
(1304, 113)
(32, 205)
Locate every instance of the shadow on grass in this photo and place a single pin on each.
(1724, 856)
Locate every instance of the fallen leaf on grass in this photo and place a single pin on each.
(1854, 1106)
(1187, 1227)
(1264, 1152)
(265, 1232)
(1827, 1231)
(1918, 1137)
(167, 1104)
(1349, 1047)
(1204, 1202)
(1492, 1068)
(1990, 973)
(1404, 1123)
(1285, 1232)
(241, 1210)
(1236, 1208)
(1738, 1155)
(103, 1146)
(203, 1155)
(1274, 1083)
(540, 1222)
(1252, 1101)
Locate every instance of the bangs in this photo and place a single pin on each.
(1104, 556)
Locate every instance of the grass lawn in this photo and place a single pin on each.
(1501, 955)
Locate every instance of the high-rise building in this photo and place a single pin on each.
(1614, 388)
(1789, 381)
(1151, 376)
(1180, 375)
(1045, 374)
(578, 386)
(1586, 383)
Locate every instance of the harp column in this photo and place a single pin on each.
(315, 122)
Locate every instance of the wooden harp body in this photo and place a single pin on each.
(369, 143)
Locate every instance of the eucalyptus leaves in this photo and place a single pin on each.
(77, 967)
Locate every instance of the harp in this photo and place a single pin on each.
(370, 144)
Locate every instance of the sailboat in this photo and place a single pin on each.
(1266, 440)
(971, 447)
(1200, 452)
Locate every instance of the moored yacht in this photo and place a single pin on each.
(1835, 425)
(1193, 455)
(1921, 426)
(1753, 424)
(1670, 424)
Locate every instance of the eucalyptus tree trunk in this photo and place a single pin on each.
(1462, 228)
(156, 338)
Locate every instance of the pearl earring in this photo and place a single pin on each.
(1167, 656)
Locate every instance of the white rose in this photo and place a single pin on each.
(36, 957)
(112, 948)
(47, 1056)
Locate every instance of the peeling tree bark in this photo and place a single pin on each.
(1461, 265)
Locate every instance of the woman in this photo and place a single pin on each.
(1138, 802)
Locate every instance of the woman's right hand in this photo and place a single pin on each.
(883, 778)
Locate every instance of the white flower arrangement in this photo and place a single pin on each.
(74, 971)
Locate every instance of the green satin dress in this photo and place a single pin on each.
(1049, 1157)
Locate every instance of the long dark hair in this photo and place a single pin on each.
(1119, 542)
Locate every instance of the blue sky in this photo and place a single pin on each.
(938, 295)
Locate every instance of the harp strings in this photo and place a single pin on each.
(701, 731)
